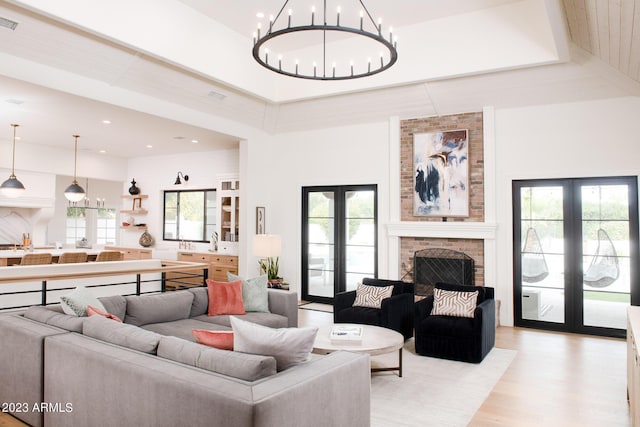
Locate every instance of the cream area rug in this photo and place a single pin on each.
(432, 392)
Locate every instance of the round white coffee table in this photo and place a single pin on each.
(375, 340)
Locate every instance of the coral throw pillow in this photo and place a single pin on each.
(225, 297)
(94, 311)
(218, 339)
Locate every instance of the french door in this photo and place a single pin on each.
(576, 254)
(339, 239)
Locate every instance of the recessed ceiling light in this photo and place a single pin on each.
(259, 15)
(106, 122)
(195, 141)
(102, 151)
(149, 146)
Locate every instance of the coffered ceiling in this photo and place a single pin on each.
(167, 78)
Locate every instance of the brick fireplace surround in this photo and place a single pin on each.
(466, 234)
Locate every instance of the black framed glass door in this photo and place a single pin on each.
(576, 254)
(339, 239)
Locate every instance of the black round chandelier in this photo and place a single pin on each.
(329, 33)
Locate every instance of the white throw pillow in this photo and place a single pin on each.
(371, 296)
(76, 303)
(289, 346)
(454, 303)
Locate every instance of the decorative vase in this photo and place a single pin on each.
(146, 240)
(133, 190)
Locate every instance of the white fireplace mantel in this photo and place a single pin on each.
(443, 230)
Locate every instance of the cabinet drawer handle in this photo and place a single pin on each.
(186, 254)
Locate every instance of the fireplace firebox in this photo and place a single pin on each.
(434, 265)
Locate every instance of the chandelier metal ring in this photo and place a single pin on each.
(320, 71)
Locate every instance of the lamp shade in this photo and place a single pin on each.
(74, 193)
(267, 245)
(12, 187)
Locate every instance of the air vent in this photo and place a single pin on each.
(8, 23)
(217, 95)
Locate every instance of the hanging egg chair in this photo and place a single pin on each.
(534, 264)
(604, 268)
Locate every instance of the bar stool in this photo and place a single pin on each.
(72, 257)
(109, 256)
(36, 259)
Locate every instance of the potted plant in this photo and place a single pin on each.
(270, 267)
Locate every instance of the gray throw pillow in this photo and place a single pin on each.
(254, 292)
(289, 346)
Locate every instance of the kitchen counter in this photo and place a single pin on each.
(11, 257)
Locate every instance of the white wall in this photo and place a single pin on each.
(153, 175)
(280, 166)
(588, 139)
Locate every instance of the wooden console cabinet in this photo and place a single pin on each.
(633, 363)
(131, 253)
(219, 266)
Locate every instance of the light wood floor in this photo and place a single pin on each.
(556, 379)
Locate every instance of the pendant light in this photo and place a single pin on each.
(12, 187)
(74, 193)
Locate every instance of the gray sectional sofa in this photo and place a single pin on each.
(61, 370)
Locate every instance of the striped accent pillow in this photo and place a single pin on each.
(454, 303)
(371, 296)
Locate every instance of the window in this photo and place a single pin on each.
(94, 224)
(339, 239)
(106, 226)
(76, 224)
(189, 215)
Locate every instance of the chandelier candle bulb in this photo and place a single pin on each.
(338, 18)
(270, 23)
(391, 34)
(380, 26)
(361, 19)
(313, 15)
(259, 28)
(290, 12)
(280, 62)
(266, 56)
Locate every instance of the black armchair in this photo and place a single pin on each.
(457, 338)
(396, 312)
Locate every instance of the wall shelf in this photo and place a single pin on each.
(135, 212)
(133, 227)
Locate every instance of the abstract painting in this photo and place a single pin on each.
(441, 166)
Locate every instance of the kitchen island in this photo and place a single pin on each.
(11, 257)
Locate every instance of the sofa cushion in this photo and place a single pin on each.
(200, 303)
(216, 339)
(254, 292)
(182, 328)
(115, 304)
(267, 319)
(225, 297)
(289, 346)
(142, 310)
(453, 303)
(54, 316)
(364, 315)
(248, 367)
(75, 303)
(371, 296)
(121, 334)
(446, 326)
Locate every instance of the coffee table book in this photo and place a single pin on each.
(346, 333)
